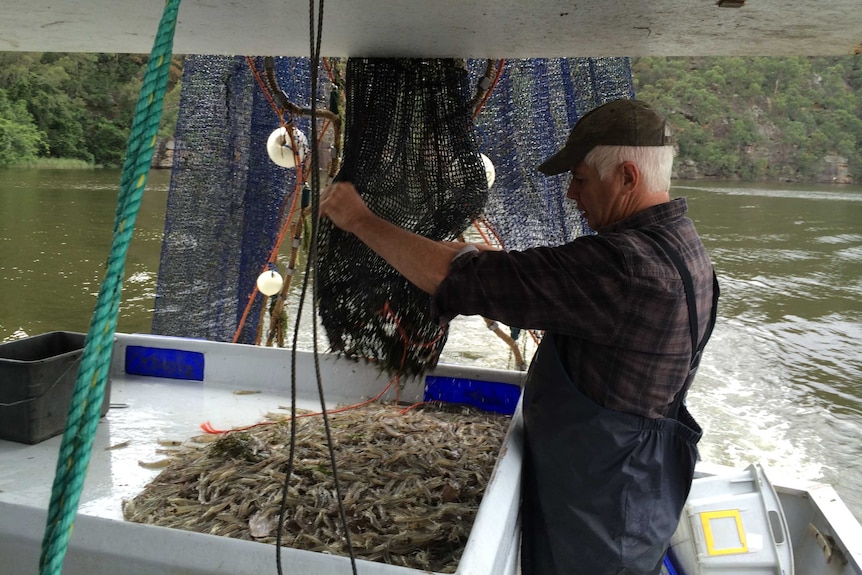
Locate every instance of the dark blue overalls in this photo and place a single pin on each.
(602, 489)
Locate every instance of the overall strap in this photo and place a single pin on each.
(696, 349)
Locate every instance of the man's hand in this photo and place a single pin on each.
(341, 203)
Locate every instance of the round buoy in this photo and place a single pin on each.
(278, 146)
(269, 282)
(490, 172)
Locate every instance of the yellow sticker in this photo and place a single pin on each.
(706, 519)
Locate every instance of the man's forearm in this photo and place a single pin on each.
(424, 262)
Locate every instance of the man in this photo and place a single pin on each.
(609, 445)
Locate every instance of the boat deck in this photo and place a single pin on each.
(142, 414)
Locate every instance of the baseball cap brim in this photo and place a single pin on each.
(564, 160)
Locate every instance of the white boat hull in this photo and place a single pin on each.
(159, 408)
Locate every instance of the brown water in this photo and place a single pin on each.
(780, 382)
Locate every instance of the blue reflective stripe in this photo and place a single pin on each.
(487, 395)
(169, 363)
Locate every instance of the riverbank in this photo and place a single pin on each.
(836, 172)
(55, 164)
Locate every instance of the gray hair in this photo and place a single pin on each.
(655, 163)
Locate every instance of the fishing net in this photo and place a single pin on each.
(411, 149)
(226, 199)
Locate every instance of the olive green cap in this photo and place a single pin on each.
(617, 123)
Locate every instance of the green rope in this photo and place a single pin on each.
(86, 402)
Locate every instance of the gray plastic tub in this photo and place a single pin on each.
(37, 377)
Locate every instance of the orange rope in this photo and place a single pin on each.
(300, 181)
(329, 70)
(476, 223)
(208, 428)
(274, 253)
(481, 105)
(272, 257)
(479, 222)
(415, 405)
(388, 311)
(487, 95)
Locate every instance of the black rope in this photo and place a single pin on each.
(315, 38)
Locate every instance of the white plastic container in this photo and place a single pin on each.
(733, 524)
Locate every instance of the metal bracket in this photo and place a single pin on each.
(827, 545)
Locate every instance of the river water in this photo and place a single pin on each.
(780, 381)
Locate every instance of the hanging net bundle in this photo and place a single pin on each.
(411, 152)
(410, 147)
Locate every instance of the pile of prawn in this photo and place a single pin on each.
(411, 483)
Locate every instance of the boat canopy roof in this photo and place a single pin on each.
(445, 28)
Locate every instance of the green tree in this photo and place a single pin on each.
(760, 117)
(83, 104)
(20, 140)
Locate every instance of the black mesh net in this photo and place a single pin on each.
(410, 151)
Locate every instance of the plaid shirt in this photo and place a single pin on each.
(614, 301)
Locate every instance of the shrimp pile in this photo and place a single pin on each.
(411, 483)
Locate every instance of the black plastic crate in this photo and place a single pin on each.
(37, 377)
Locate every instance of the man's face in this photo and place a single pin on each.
(597, 200)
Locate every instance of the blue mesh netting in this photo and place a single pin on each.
(526, 119)
(226, 199)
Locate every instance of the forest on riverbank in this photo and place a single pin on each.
(760, 118)
(793, 119)
(73, 109)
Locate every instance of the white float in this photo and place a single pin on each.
(280, 147)
(269, 282)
